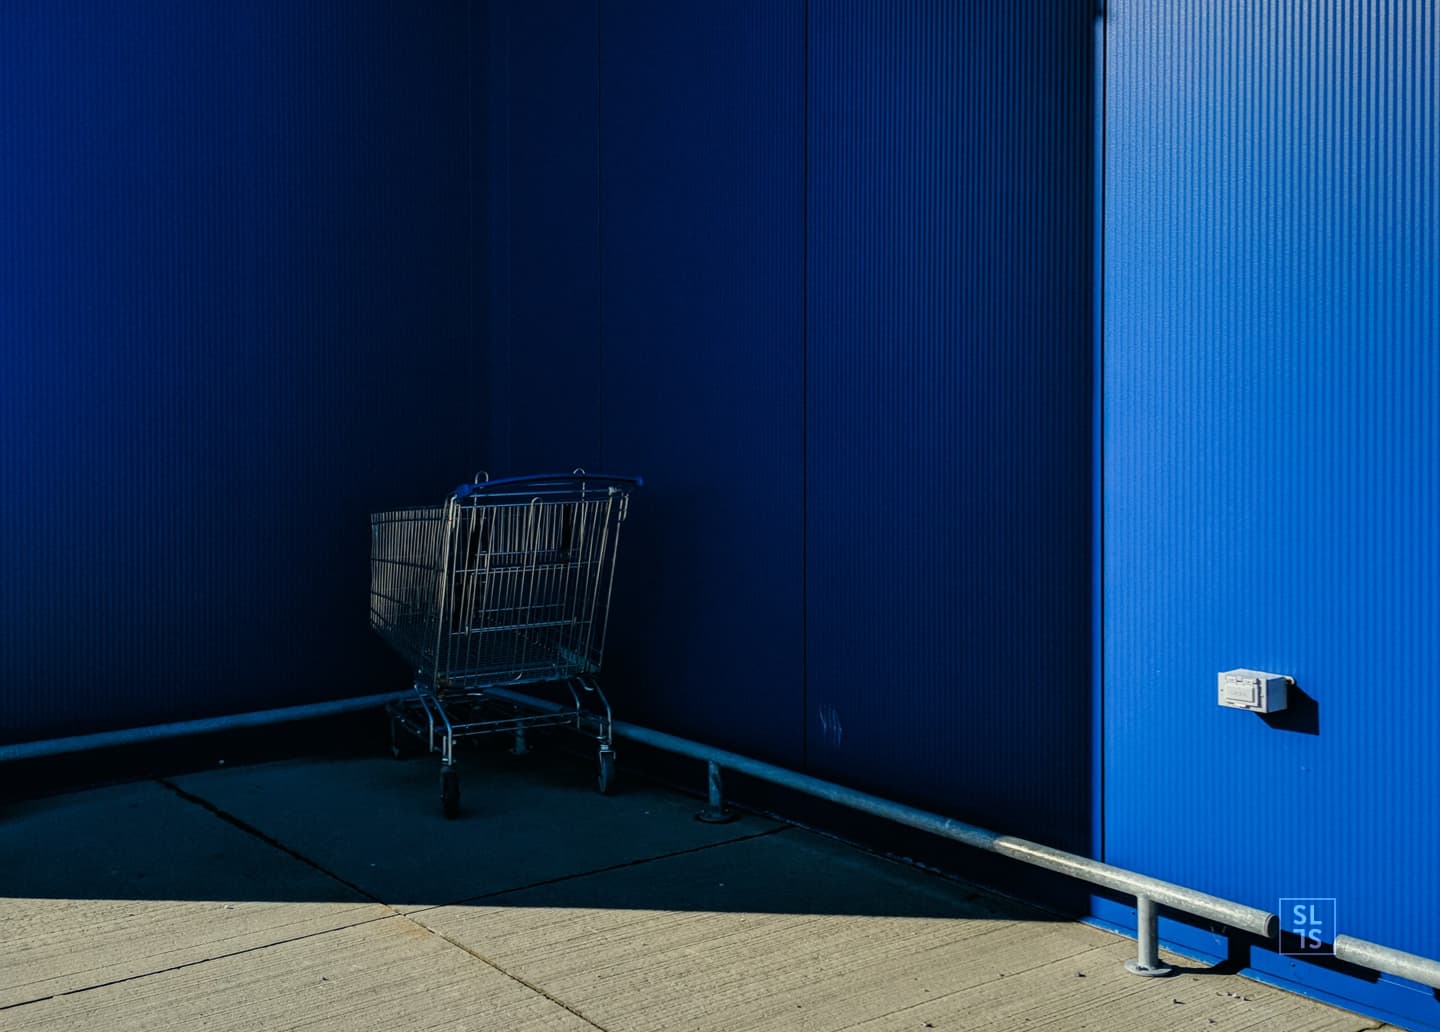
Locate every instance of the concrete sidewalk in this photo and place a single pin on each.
(331, 895)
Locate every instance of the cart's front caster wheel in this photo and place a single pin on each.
(605, 782)
(403, 744)
(450, 793)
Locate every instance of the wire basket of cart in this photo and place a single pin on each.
(506, 584)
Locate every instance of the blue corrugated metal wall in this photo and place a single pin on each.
(545, 309)
(702, 188)
(897, 495)
(1272, 459)
(948, 406)
(648, 214)
(237, 313)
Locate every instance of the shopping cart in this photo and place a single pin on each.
(506, 584)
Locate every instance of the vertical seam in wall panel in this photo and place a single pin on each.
(599, 245)
(1099, 346)
(805, 395)
(473, 353)
(507, 400)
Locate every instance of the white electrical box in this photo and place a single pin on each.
(1253, 690)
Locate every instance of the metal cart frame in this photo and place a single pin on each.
(508, 583)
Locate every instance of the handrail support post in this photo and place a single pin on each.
(1147, 941)
(715, 812)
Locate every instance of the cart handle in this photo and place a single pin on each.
(466, 490)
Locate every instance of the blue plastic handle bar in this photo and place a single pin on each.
(466, 490)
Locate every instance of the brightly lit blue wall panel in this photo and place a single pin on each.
(1272, 459)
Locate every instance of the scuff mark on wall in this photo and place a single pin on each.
(830, 729)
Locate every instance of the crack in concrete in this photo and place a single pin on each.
(560, 879)
(392, 913)
(269, 840)
(494, 966)
(409, 916)
(197, 963)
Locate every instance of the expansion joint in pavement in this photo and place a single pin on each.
(409, 916)
(537, 990)
(196, 963)
(641, 862)
(269, 840)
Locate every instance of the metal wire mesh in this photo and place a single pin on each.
(405, 547)
(499, 587)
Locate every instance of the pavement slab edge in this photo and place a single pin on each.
(119, 882)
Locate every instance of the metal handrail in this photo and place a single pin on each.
(184, 728)
(1150, 893)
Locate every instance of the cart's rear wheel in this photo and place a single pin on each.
(403, 744)
(450, 792)
(605, 781)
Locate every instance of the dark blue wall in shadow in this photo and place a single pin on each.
(843, 328)
(238, 311)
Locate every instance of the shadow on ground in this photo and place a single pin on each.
(369, 828)
(330, 892)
